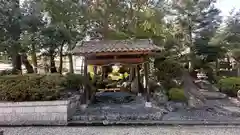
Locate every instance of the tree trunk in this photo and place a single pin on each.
(26, 63)
(45, 65)
(15, 32)
(191, 56)
(16, 63)
(217, 67)
(71, 70)
(52, 62)
(34, 58)
(61, 59)
(106, 23)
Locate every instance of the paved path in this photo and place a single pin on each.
(152, 130)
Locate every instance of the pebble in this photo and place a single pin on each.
(124, 130)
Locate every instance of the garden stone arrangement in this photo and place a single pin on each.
(120, 107)
(40, 104)
(216, 110)
(131, 108)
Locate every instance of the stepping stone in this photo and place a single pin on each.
(213, 95)
(234, 110)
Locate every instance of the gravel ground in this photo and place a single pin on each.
(134, 110)
(152, 130)
(173, 111)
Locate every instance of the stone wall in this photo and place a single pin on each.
(37, 113)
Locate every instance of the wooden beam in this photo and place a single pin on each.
(118, 53)
(109, 61)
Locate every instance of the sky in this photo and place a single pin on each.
(226, 6)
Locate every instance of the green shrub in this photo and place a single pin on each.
(5, 72)
(166, 71)
(176, 94)
(36, 87)
(73, 81)
(230, 86)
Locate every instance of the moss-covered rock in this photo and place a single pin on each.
(176, 94)
(230, 86)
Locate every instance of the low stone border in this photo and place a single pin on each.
(39, 112)
(152, 123)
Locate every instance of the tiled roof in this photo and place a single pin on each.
(94, 46)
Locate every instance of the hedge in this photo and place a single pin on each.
(229, 86)
(37, 87)
(176, 94)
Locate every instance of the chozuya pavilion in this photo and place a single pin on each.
(134, 54)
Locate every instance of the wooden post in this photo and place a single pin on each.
(102, 71)
(85, 84)
(95, 73)
(132, 73)
(146, 80)
(138, 79)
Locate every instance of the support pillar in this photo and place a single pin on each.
(147, 90)
(102, 71)
(86, 92)
(138, 80)
(95, 73)
(132, 73)
(92, 92)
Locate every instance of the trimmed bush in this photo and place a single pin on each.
(230, 86)
(73, 81)
(167, 70)
(35, 87)
(5, 72)
(176, 94)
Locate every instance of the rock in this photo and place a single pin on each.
(134, 87)
(195, 103)
(160, 97)
(206, 85)
(113, 97)
(213, 95)
(174, 106)
(159, 94)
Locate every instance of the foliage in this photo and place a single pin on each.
(199, 21)
(29, 88)
(51, 27)
(5, 72)
(176, 94)
(73, 81)
(36, 87)
(230, 85)
(167, 71)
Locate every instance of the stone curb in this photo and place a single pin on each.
(133, 123)
(152, 123)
